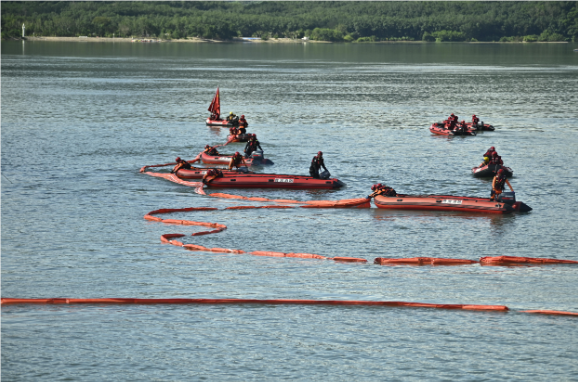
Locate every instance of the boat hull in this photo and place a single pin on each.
(490, 170)
(223, 123)
(448, 203)
(225, 159)
(296, 182)
(480, 127)
(439, 129)
(238, 138)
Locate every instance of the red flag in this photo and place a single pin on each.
(215, 106)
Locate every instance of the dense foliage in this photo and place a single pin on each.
(328, 21)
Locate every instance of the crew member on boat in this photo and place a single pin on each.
(490, 152)
(316, 164)
(181, 164)
(475, 120)
(215, 117)
(236, 161)
(496, 159)
(211, 175)
(381, 189)
(485, 162)
(209, 150)
(243, 121)
(231, 117)
(252, 145)
(498, 184)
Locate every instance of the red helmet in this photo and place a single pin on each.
(500, 172)
(473, 115)
(463, 121)
(243, 116)
(320, 153)
(493, 148)
(237, 153)
(178, 159)
(494, 154)
(374, 187)
(452, 114)
(254, 136)
(207, 146)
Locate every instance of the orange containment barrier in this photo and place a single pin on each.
(232, 301)
(422, 261)
(515, 260)
(553, 312)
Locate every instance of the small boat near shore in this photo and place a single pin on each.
(439, 129)
(506, 203)
(490, 170)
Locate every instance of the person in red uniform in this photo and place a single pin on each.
(236, 161)
(475, 120)
(498, 184)
(181, 164)
(243, 121)
(316, 164)
(211, 175)
(496, 159)
(380, 189)
(490, 152)
(209, 150)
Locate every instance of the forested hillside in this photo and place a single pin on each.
(328, 21)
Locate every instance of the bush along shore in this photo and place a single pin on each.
(287, 21)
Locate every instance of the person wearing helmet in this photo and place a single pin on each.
(381, 189)
(209, 150)
(485, 162)
(498, 184)
(211, 175)
(181, 164)
(243, 121)
(231, 117)
(496, 159)
(252, 145)
(316, 164)
(475, 121)
(236, 161)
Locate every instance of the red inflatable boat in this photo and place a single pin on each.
(506, 204)
(490, 170)
(215, 119)
(296, 182)
(238, 138)
(256, 158)
(439, 129)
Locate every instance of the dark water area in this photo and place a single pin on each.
(79, 121)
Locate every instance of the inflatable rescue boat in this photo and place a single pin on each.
(490, 170)
(238, 138)
(215, 119)
(296, 182)
(439, 129)
(256, 158)
(198, 173)
(506, 203)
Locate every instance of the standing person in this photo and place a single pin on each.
(475, 120)
(236, 161)
(316, 164)
(252, 145)
(498, 184)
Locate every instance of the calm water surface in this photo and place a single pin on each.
(79, 120)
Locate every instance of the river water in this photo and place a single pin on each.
(80, 119)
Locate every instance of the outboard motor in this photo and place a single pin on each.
(257, 156)
(507, 198)
(324, 175)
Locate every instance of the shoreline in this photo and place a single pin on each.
(198, 40)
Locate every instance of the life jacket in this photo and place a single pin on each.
(387, 191)
(475, 120)
(211, 151)
(237, 160)
(317, 162)
(500, 183)
(243, 121)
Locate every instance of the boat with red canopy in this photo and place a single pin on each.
(506, 203)
(215, 118)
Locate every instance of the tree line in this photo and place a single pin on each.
(346, 21)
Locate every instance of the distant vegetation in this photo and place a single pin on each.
(326, 21)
